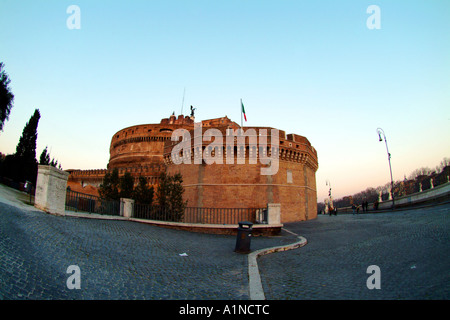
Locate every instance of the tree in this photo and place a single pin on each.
(424, 171)
(6, 97)
(142, 194)
(126, 185)
(109, 189)
(170, 195)
(26, 148)
(22, 165)
(444, 163)
(44, 159)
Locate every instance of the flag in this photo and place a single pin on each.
(243, 111)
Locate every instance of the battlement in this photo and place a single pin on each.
(86, 173)
(294, 148)
(146, 150)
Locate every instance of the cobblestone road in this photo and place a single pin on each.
(411, 248)
(117, 259)
(128, 260)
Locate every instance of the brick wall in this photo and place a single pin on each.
(145, 150)
(242, 186)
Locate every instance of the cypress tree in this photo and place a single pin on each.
(25, 156)
(142, 194)
(170, 195)
(126, 185)
(109, 189)
(44, 159)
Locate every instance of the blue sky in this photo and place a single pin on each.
(312, 68)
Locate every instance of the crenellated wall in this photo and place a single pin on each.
(145, 150)
(236, 185)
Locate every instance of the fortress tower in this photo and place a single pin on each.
(145, 150)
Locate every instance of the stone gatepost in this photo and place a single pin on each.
(126, 207)
(274, 213)
(51, 190)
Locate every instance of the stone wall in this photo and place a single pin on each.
(51, 190)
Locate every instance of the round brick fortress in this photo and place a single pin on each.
(233, 185)
(137, 150)
(145, 150)
(143, 145)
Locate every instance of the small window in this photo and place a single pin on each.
(289, 176)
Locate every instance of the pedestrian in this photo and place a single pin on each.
(353, 208)
(357, 209)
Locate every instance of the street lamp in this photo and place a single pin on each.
(380, 131)
(329, 192)
(327, 182)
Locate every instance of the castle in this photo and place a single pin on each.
(147, 150)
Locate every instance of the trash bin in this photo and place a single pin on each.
(244, 236)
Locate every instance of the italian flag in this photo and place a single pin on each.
(243, 111)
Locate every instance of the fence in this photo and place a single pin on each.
(76, 201)
(197, 215)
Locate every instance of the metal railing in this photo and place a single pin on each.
(76, 201)
(196, 214)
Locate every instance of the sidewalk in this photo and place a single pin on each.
(16, 198)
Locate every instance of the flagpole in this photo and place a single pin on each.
(241, 114)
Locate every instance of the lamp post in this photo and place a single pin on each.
(329, 192)
(380, 131)
(327, 182)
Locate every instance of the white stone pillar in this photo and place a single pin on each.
(51, 190)
(274, 213)
(126, 207)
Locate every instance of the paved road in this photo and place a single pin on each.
(411, 249)
(129, 260)
(117, 259)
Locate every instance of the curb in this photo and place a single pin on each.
(255, 285)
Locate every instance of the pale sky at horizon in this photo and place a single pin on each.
(311, 68)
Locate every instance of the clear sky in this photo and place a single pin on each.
(312, 68)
